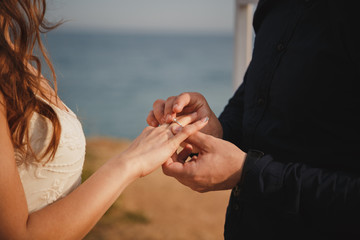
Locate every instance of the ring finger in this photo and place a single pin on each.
(183, 120)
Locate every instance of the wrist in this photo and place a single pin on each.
(127, 168)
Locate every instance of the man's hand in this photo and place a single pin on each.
(218, 165)
(185, 103)
(155, 145)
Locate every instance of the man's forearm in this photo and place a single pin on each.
(326, 199)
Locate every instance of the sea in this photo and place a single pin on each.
(110, 80)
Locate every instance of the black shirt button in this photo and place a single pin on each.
(236, 191)
(280, 47)
(236, 207)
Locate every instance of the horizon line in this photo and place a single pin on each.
(82, 29)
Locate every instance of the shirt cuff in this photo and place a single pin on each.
(251, 158)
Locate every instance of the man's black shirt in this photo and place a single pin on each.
(299, 105)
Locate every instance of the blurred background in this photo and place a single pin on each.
(114, 58)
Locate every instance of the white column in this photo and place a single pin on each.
(243, 34)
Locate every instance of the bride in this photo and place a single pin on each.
(42, 145)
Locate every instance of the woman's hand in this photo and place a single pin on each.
(185, 103)
(156, 145)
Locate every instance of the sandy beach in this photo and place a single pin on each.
(155, 207)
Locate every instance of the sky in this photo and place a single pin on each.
(144, 15)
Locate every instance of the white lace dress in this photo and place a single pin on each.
(44, 184)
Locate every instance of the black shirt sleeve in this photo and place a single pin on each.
(299, 106)
(325, 199)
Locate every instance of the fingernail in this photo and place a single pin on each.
(175, 106)
(205, 119)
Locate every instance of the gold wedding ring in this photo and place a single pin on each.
(176, 121)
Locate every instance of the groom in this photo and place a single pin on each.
(287, 142)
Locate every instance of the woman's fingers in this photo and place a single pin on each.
(181, 134)
(184, 120)
(183, 155)
(165, 110)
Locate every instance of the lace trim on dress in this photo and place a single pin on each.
(46, 183)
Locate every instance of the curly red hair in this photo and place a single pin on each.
(21, 24)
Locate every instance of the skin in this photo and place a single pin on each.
(185, 103)
(219, 163)
(73, 216)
